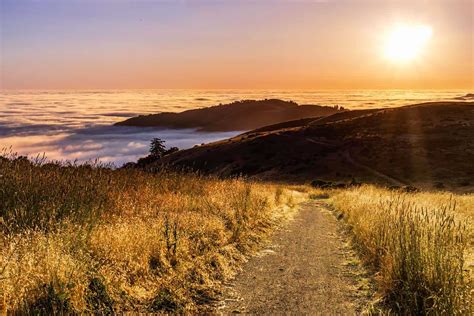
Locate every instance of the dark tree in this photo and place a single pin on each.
(157, 148)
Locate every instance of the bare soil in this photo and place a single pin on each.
(307, 269)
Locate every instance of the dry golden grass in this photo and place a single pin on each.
(420, 244)
(79, 239)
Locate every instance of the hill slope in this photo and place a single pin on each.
(237, 116)
(421, 144)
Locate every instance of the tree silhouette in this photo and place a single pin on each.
(157, 148)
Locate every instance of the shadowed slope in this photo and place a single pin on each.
(421, 144)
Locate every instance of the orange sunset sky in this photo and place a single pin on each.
(333, 44)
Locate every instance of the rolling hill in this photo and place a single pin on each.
(238, 116)
(427, 145)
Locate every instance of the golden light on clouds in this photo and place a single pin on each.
(407, 42)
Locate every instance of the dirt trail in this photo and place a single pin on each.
(376, 173)
(357, 164)
(304, 271)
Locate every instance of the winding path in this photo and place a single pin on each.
(303, 271)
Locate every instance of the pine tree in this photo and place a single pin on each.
(157, 147)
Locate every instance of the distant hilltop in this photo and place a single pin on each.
(237, 116)
(468, 96)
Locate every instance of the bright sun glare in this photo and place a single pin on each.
(406, 42)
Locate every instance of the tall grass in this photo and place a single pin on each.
(86, 238)
(418, 243)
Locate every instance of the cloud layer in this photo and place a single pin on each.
(114, 144)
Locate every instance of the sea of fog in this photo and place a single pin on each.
(77, 125)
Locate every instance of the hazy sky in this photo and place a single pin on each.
(82, 44)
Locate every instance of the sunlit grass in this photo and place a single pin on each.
(420, 244)
(88, 238)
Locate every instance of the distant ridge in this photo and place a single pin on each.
(467, 96)
(237, 116)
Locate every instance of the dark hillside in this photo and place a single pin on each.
(430, 144)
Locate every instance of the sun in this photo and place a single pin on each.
(406, 42)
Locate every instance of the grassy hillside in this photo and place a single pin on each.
(90, 239)
(420, 244)
(428, 145)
